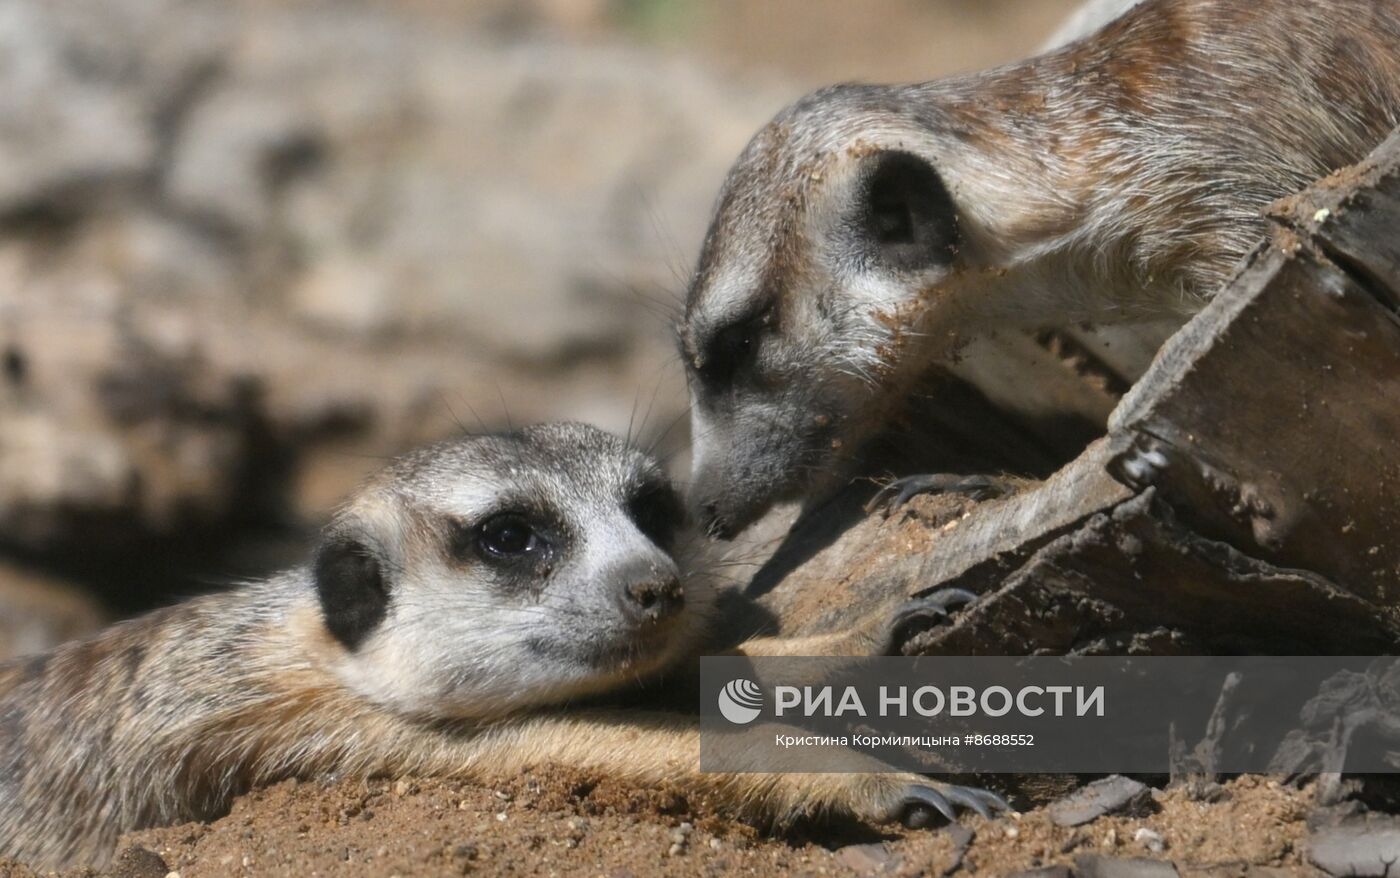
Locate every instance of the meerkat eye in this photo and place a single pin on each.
(658, 513)
(507, 536)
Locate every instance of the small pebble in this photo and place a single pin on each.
(675, 850)
(716, 844)
(466, 851)
(1150, 839)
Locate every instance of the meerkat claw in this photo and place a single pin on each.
(919, 803)
(921, 800)
(985, 802)
(923, 613)
(893, 496)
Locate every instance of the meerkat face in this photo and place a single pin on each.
(498, 572)
(829, 239)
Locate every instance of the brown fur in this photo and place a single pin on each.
(167, 717)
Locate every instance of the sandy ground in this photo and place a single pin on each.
(555, 823)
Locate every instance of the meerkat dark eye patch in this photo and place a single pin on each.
(658, 512)
(732, 348)
(353, 590)
(908, 217)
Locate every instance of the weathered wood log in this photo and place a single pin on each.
(1132, 580)
(1271, 420)
(1079, 564)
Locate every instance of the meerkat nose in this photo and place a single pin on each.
(654, 599)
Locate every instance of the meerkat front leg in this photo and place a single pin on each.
(852, 642)
(650, 749)
(882, 633)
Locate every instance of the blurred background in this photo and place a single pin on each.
(249, 248)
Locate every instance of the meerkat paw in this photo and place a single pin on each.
(897, 493)
(916, 801)
(921, 614)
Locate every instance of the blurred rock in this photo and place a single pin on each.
(1110, 795)
(1363, 847)
(867, 859)
(1095, 866)
(246, 247)
(37, 613)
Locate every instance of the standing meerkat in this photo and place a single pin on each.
(465, 585)
(869, 231)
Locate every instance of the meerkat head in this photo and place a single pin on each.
(835, 233)
(496, 572)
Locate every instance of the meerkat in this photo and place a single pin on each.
(869, 232)
(462, 587)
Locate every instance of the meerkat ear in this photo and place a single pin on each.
(352, 586)
(909, 218)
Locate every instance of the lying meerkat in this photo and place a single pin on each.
(869, 231)
(467, 583)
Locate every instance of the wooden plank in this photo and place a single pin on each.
(1132, 580)
(1271, 421)
(1353, 215)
